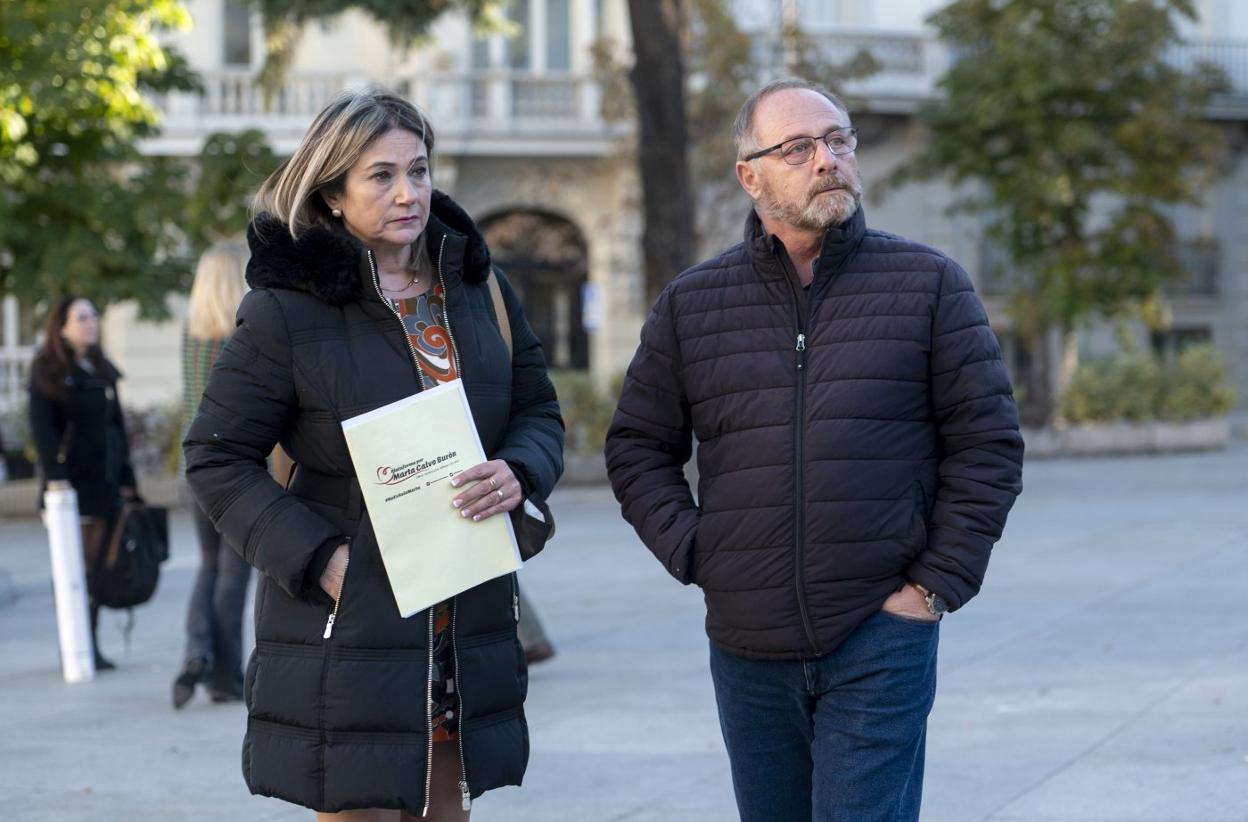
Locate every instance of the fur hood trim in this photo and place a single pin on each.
(325, 262)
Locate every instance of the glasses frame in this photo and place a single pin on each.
(850, 130)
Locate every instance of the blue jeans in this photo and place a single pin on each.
(214, 617)
(833, 739)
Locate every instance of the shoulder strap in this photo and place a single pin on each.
(500, 310)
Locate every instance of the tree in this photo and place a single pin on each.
(1071, 127)
(658, 79)
(231, 168)
(406, 21)
(77, 211)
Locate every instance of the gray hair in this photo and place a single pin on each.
(743, 126)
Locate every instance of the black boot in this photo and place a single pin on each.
(102, 663)
(192, 673)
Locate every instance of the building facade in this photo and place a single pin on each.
(524, 146)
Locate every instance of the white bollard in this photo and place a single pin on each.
(69, 585)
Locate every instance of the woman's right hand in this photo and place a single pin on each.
(335, 572)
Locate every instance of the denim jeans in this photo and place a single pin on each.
(839, 738)
(214, 618)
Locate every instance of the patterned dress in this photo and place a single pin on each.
(424, 318)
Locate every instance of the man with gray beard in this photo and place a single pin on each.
(858, 452)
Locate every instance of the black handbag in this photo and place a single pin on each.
(129, 566)
(533, 524)
(532, 521)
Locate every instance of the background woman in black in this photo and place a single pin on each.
(75, 417)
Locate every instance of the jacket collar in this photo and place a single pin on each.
(326, 261)
(839, 243)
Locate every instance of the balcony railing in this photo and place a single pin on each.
(911, 64)
(510, 104)
(463, 105)
(1229, 55)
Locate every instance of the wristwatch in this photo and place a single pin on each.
(936, 604)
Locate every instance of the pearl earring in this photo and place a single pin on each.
(337, 212)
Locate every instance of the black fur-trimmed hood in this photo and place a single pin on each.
(326, 262)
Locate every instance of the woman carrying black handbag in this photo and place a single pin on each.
(76, 421)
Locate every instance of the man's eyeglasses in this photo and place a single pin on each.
(802, 149)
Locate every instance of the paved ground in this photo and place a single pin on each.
(1102, 676)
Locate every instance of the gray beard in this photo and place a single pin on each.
(820, 214)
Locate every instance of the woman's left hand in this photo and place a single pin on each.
(494, 490)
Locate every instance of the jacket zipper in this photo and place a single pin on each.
(429, 717)
(799, 430)
(446, 312)
(333, 615)
(329, 631)
(464, 794)
(446, 318)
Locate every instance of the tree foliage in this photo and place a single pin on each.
(231, 168)
(77, 211)
(1071, 127)
(406, 21)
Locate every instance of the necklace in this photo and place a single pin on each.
(404, 287)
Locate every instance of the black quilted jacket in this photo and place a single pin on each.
(873, 440)
(341, 722)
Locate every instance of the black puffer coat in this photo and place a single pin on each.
(343, 722)
(840, 453)
(79, 434)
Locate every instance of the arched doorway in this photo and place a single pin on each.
(546, 259)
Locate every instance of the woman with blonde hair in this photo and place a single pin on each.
(214, 617)
(367, 287)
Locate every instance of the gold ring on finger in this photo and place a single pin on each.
(493, 484)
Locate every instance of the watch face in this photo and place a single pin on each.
(936, 604)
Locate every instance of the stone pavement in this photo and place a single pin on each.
(1102, 676)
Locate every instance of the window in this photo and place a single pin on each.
(518, 56)
(1174, 340)
(558, 35)
(237, 33)
(480, 52)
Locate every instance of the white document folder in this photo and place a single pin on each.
(405, 455)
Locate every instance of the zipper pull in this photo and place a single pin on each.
(515, 605)
(329, 626)
(801, 342)
(466, 802)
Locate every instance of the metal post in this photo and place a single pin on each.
(69, 586)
